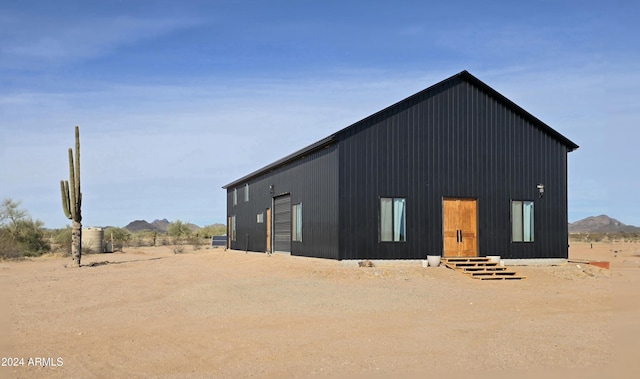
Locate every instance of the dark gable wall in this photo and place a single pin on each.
(450, 141)
(312, 180)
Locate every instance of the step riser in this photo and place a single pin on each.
(481, 269)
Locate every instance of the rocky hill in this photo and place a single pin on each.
(139, 225)
(157, 225)
(601, 224)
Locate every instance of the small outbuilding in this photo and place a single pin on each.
(454, 170)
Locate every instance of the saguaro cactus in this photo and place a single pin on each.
(72, 201)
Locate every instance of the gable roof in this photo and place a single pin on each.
(463, 75)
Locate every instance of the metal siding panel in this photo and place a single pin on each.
(312, 180)
(469, 145)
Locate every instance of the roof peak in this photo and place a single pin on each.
(462, 75)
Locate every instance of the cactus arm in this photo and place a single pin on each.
(72, 186)
(77, 176)
(64, 190)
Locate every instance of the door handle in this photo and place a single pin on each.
(461, 236)
(458, 236)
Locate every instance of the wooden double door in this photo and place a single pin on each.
(460, 227)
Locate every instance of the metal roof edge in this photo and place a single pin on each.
(283, 161)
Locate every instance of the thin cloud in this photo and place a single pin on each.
(44, 40)
(182, 100)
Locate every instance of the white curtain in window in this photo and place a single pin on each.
(516, 219)
(386, 219)
(527, 220)
(294, 223)
(399, 222)
(233, 228)
(299, 223)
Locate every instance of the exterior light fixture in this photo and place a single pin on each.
(540, 188)
(271, 190)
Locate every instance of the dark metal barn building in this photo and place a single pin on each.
(454, 170)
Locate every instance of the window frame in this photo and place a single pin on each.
(522, 221)
(246, 193)
(398, 235)
(296, 222)
(233, 228)
(235, 196)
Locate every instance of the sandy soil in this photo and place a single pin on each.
(227, 314)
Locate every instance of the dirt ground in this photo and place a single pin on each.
(226, 314)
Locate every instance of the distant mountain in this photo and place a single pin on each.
(139, 225)
(601, 224)
(161, 225)
(157, 225)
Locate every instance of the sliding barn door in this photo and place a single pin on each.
(282, 224)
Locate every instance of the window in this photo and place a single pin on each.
(260, 218)
(521, 221)
(296, 213)
(393, 220)
(233, 228)
(235, 196)
(246, 192)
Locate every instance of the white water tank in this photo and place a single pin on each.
(93, 240)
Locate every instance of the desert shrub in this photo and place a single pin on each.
(31, 237)
(605, 237)
(163, 240)
(25, 238)
(136, 240)
(153, 238)
(213, 230)
(178, 231)
(120, 237)
(9, 248)
(21, 235)
(195, 241)
(62, 240)
(144, 238)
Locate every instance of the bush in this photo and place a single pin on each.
(9, 249)
(62, 240)
(213, 230)
(19, 234)
(31, 238)
(178, 231)
(195, 241)
(121, 236)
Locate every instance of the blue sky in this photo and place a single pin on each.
(166, 91)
